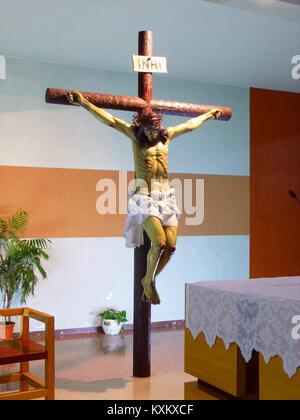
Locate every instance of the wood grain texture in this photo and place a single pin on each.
(216, 366)
(142, 310)
(26, 395)
(135, 104)
(274, 383)
(274, 169)
(24, 351)
(15, 351)
(193, 391)
(145, 79)
(142, 315)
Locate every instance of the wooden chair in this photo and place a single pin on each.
(23, 351)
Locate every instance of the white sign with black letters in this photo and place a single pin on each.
(148, 64)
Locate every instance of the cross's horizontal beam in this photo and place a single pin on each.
(128, 103)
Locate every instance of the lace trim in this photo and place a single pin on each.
(252, 322)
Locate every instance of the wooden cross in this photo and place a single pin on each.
(142, 310)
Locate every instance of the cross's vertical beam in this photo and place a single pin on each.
(145, 79)
(142, 310)
(142, 315)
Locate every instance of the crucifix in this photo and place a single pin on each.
(151, 225)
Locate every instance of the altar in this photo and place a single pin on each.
(243, 337)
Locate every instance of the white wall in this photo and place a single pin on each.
(82, 273)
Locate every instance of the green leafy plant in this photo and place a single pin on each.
(111, 314)
(19, 258)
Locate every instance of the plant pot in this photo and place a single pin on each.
(111, 326)
(7, 331)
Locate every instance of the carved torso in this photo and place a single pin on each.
(151, 163)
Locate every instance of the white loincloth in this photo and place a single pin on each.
(161, 204)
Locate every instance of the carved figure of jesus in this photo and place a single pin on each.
(152, 206)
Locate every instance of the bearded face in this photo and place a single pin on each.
(152, 133)
(148, 128)
(150, 136)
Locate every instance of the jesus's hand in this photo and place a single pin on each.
(75, 98)
(215, 113)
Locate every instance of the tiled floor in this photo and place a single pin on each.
(96, 367)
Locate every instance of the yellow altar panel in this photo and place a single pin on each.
(215, 366)
(274, 383)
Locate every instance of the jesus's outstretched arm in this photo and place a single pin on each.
(76, 98)
(193, 123)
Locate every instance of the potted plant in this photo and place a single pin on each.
(19, 258)
(112, 321)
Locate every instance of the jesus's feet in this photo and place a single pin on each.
(150, 294)
(156, 298)
(147, 293)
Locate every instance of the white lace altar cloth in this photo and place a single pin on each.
(255, 314)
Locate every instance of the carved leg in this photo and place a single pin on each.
(155, 231)
(171, 236)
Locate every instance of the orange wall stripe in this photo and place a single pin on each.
(62, 202)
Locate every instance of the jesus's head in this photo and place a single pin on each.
(148, 128)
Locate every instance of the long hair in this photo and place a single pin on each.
(148, 119)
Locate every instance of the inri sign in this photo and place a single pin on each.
(148, 64)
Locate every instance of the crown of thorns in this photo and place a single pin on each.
(148, 118)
